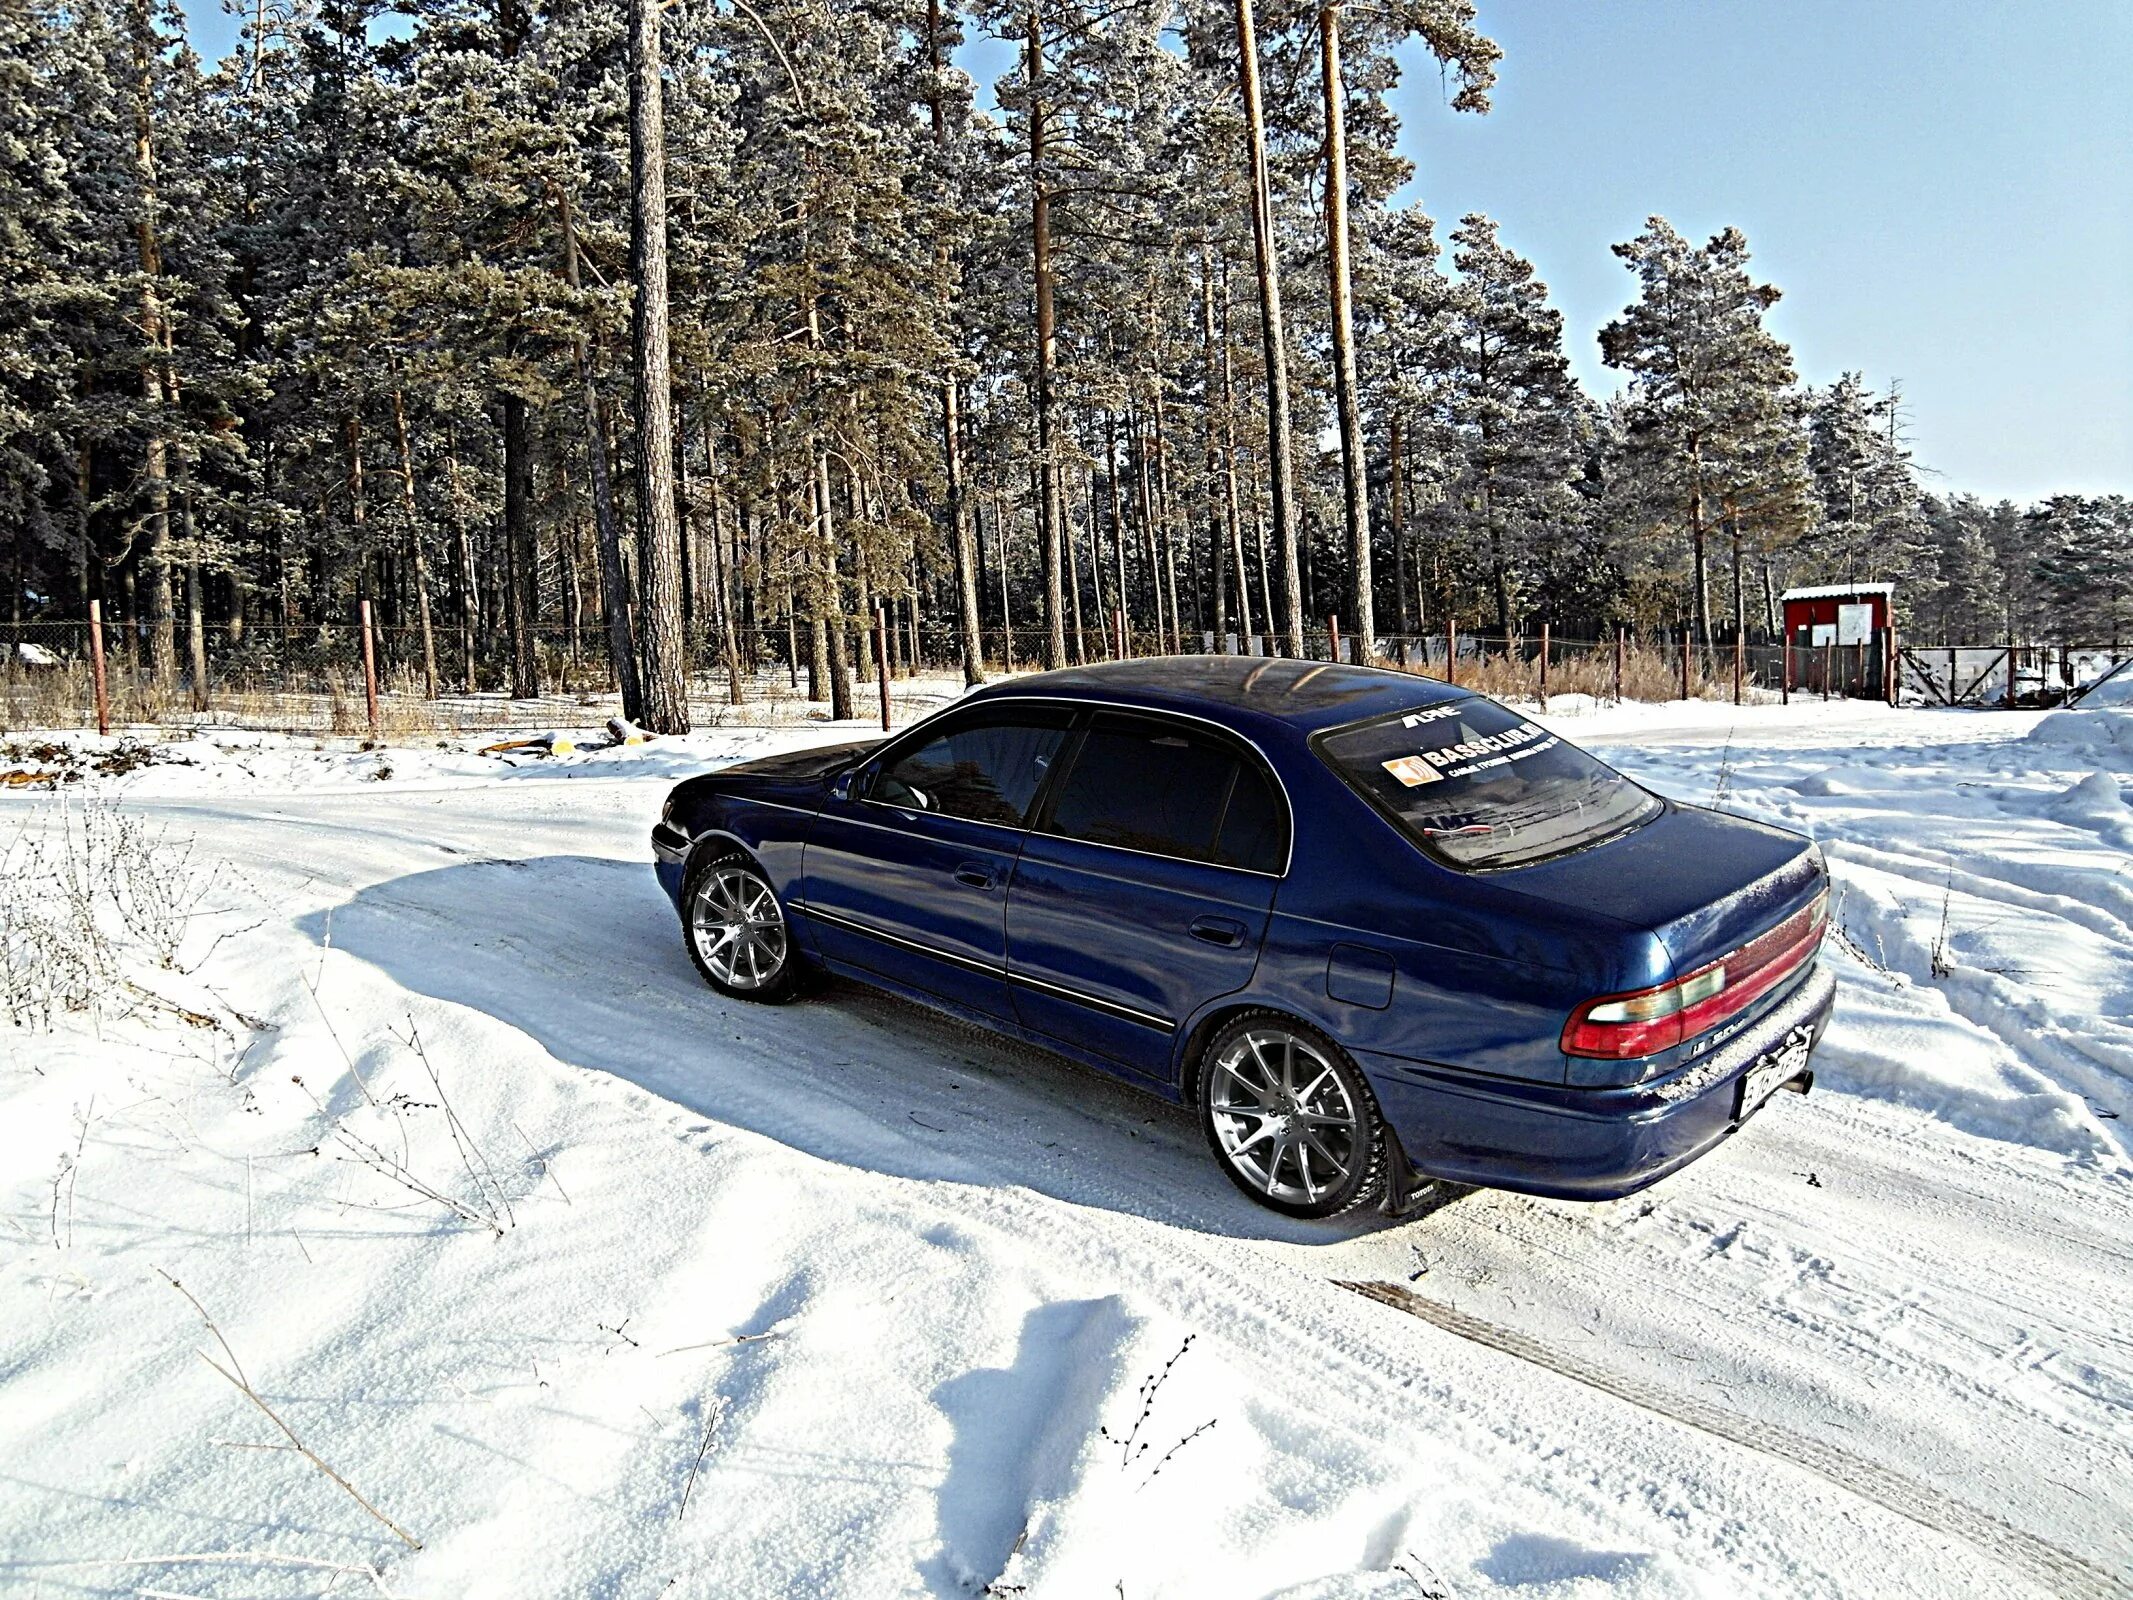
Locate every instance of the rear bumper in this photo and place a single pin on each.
(1585, 1144)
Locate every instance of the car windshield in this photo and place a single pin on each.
(1477, 785)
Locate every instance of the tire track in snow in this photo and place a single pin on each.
(2062, 1573)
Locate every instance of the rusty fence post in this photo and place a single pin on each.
(370, 672)
(1685, 635)
(1740, 660)
(96, 668)
(881, 661)
(1333, 635)
(1451, 650)
(1544, 667)
(1621, 645)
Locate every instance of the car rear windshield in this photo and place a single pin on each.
(1477, 785)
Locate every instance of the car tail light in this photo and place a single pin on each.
(1621, 1027)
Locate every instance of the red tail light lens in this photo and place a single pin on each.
(1621, 1027)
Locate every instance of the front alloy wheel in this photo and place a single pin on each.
(737, 931)
(1290, 1118)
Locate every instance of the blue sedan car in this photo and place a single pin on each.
(1368, 925)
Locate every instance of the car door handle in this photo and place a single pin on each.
(1218, 930)
(974, 876)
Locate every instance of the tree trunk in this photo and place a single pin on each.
(154, 563)
(1341, 304)
(414, 545)
(1232, 517)
(1273, 333)
(1047, 340)
(722, 571)
(607, 527)
(1217, 532)
(524, 588)
(830, 608)
(1396, 518)
(664, 686)
(961, 554)
(1702, 579)
(469, 578)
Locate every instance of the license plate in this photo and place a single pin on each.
(1775, 1069)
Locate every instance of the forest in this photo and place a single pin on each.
(664, 343)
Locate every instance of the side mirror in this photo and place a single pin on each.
(841, 786)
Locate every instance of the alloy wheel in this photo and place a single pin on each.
(1282, 1117)
(739, 928)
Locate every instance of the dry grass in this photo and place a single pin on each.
(1647, 675)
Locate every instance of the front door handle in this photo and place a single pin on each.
(974, 876)
(1218, 930)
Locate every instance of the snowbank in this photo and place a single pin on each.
(594, 1283)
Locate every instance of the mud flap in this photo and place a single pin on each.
(1402, 1187)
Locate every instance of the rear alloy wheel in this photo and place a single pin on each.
(737, 932)
(1290, 1118)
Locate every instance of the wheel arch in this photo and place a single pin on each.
(722, 842)
(1185, 1067)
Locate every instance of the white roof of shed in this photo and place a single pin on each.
(1837, 591)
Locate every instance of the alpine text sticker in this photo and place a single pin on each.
(1434, 714)
(1412, 771)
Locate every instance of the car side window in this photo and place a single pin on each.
(1165, 790)
(1255, 828)
(986, 767)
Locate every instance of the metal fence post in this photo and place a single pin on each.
(1544, 667)
(96, 668)
(1621, 644)
(1451, 650)
(881, 661)
(1333, 635)
(1684, 661)
(370, 672)
(1740, 661)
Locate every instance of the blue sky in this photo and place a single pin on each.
(1943, 191)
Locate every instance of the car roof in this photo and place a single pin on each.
(1247, 693)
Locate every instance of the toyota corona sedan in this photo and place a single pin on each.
(1373, 928)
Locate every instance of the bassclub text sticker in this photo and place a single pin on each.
(1469, 756)
(1412, 771)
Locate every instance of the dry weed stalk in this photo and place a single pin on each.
(234, 1375)
(713, 1412)
(233, 1558)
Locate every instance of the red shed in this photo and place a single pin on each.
(1836, 613)
(1837, 639)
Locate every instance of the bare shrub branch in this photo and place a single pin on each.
(234, 1376)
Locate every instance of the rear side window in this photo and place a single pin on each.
(986, 767)
(1167, 791)
(1477, 785)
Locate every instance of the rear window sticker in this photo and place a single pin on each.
(1412, 771)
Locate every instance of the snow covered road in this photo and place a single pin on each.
(844, 1299)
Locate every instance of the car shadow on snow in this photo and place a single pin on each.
(584, 956)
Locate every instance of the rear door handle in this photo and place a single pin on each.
(1218, 930)
(974, 876)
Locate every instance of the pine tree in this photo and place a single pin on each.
(1514, 409)
(1707, 376)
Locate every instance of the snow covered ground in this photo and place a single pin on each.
(592, 1283)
